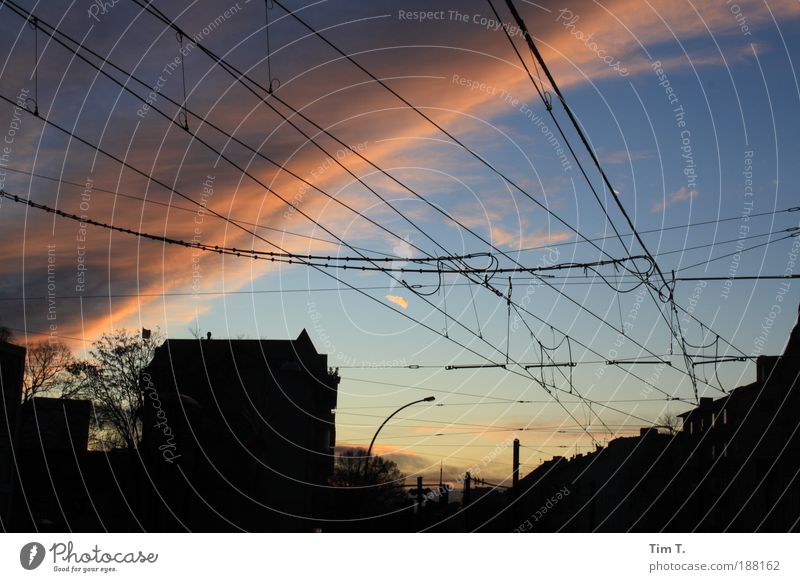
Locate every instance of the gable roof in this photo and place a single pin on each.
(244, 349)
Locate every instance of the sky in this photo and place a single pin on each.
(690, 108)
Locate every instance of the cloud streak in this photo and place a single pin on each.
(418, 61)
(681, 195)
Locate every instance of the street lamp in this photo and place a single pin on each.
(388, 418)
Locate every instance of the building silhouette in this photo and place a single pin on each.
(50, 455)
(734, 466)
(240, 435)
(246, 439)
(12, 369)
(236, 435)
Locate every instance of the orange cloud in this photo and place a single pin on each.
(398, 300)
(342, 100)
(516, 240)
(681, 195)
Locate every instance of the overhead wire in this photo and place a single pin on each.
(396, 257)
(688, 371)
(239, 76)
(49, 122)
(665, 228)
(676, 333)
(172, 206)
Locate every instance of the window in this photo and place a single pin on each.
(713, 452)
(691, 428)
(713, 419)
(725, 416)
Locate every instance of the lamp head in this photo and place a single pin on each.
(429, 399)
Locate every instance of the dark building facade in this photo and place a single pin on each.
(43, 447)
(50, 455)
(238, 434)
(734, 466)
(12, 368)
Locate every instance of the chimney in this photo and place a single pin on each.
(208, 335)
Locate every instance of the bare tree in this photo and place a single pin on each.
(48, 370)
(195, 331)
(112, 379)
(668, 423)
(366, 486)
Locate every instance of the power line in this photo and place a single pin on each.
(180, 32)
(254, 234)
(549, 109)
(676, 331)
(740, 278)
(133, 168)
(227, 159)
(445, 132)
(664, 229)
(728, 241)
(514, 402)
(615, 361)
(558, 429)
(306, 260)
(482, 432)
(214, 249)
(738, 251)
(258, 236)
(670, 299)
(396, 257)
(285, 257)
(347, 289)
(239, 76)
(579, 131)
(185, 209)
(473, 332)
(183, 110)
(428, 389)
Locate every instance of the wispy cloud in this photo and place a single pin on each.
(518, 239)
(338, 97)
(622, 156)
(398, 300)
(681, 195)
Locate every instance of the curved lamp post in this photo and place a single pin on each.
(388, 418)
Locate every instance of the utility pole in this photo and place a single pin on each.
(419, 494)
(515, 466)
(465, 501)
